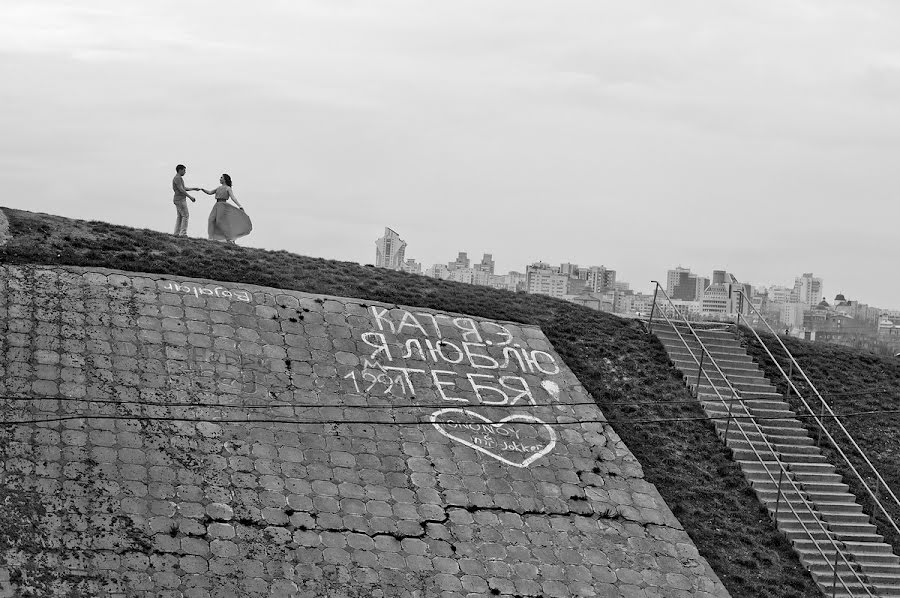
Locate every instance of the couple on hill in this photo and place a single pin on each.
(225, 222)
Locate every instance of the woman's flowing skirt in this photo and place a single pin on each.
(227, 222)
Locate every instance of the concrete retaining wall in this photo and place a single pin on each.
(244, 441)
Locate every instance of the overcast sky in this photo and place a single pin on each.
(758, 136)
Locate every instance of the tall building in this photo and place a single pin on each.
(808, 289)
(568, 269)
(462, 261)
(719, 277)
(684, 285)
(542, 279)
(390, 250)
(486, 265)
(726, 297)
(673, 277)
(702, 284)
(600, 279)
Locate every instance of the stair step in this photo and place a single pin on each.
(685, 363)
(786, 449)
(797, 532)
(785, 439)
(827, 518)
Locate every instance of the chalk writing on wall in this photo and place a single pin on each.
(518, 440)
(199, 291)
(477, 367)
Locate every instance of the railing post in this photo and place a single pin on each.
(834, 580)
(790, 376)
(652, 309)
(821, 424)
(700, 371)
(728, 423)
(875, 501)
(778, 499)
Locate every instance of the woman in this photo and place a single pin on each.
(225, 222)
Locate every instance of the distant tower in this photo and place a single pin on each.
(808, 289)
(486, 265)
(718, 277)
(390, 250)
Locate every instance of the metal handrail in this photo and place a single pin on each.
(783, 470)
(833, 415)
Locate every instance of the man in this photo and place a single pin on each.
(181, 197)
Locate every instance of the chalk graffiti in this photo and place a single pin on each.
(214, 292)
(518, 440)
(474, 363)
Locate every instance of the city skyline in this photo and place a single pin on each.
(820, 292)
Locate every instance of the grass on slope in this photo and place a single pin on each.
(850, 380)
(613, 358)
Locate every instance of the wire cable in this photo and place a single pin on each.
(135, 417)
(746, 397)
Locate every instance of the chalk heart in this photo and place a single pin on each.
(448, 422)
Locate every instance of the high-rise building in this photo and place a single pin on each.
(726, 297)
(569, 269)
(684, 285)
(702, 284)
(462, 261)
(486, 265)
(390, 250)
(542, 279)
(808, 289)
(673, 277)
(718, 277)
(600, 279)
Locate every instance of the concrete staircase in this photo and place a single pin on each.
(833, 505)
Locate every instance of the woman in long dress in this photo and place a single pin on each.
(226, 223)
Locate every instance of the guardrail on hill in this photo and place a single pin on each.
(782, 470)
(825, 407)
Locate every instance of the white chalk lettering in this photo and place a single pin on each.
(507, 351)
(405, 372)
(479, 360)
(410, 343)
(469, 330)
(550, 361)
(440, 349)
(529, 359)
(352, 376)
(432, 350)
(441, 384)
(381, 320)
(501, 332)
(479, 387)
(437, 329)
(522, 389)
(379, 344)
(410, 321)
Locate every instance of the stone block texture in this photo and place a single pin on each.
(169, 437)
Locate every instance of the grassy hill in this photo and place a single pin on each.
(625, 370)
